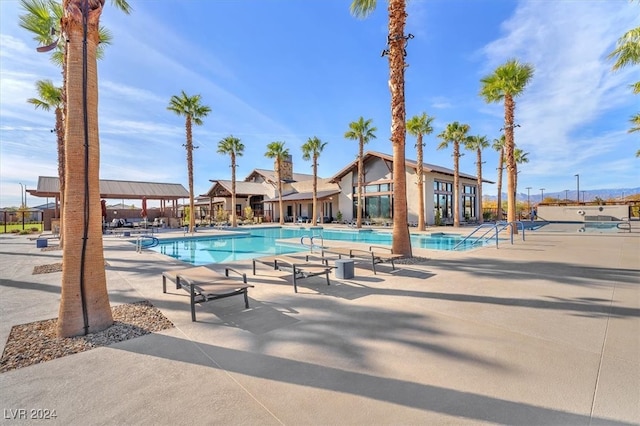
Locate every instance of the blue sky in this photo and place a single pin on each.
(285, 70)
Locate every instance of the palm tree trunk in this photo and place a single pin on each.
(281, 207)
(456, 183)
(60, 138)
(500, 168)
(192, 213)
(479, 189)
(397, 16)
(84, 304)
(420, 178)
(234, 219)
(315, 190)
(509, 107)
(360, 183)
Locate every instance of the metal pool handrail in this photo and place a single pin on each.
(478, 228)
(140, 246)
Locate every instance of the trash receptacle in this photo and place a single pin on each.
(41, 242)
(344, 269)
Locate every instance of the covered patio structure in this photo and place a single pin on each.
(167, 194)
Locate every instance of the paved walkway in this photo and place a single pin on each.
(545, 331)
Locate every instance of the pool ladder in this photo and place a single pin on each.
(311, 244)
(140, 245)
(497, 227)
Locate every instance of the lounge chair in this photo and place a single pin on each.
(204, 284)
(377, 254)
(299, 268)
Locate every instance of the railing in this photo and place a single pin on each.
(496, 228)
(492, 227)
(141, 245)
(311, 244)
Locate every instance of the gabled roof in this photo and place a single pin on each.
(302, 196)
(118, 189)
(270, 176)
(428, 168)
(222, 188)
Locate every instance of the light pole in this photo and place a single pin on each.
(541, 194)
(529, 198)
(583, 200)
(566, 195)
(577, 175)
(21, 195)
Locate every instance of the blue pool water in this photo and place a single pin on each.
(262, 242)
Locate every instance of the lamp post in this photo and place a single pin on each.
(22, 212)
(583, 200)
(541, 194)
(566, 195)
(577, 175)
(21, 195)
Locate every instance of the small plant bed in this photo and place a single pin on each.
(37, 342)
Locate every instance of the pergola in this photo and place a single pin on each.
(120, 189)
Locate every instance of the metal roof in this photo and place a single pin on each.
(270, 176)
(303, 196)
(428, 168)
(222, 188)
(117, 189)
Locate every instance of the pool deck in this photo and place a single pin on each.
(544, 331)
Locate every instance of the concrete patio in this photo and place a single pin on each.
(545, 331)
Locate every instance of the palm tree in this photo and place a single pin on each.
(520, 157)
(84, 304)
(626, 53)
(234, 148)
(418, 126)
(50, 97)
(478, 143)
(280, 153)
(455, 133)
(635, 120)
(498, 145)
(43, 19)
(311, 150)
(361, 131)
(396, 52)
(506, 83)
(193, 111)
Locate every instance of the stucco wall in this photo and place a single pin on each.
(582, 213)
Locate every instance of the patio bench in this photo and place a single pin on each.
(377, 254)
(299, 268)
(204, 284)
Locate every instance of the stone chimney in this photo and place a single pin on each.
(287, 168)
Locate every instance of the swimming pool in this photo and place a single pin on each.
(263, 242)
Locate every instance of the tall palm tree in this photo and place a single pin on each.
(280, 153)
(84, 304)
(418, 126)
(43, 19)
(396, 53)
(455, 133)
(498, 145)
(520, 157)
(506, 83)
(311, 150)
(477, 144)
(192, 109)
(626, 53)
(234, 148)
(50, 97)
(363, 132)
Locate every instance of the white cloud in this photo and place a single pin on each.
(573, 86)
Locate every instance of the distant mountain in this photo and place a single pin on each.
(586, 195)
